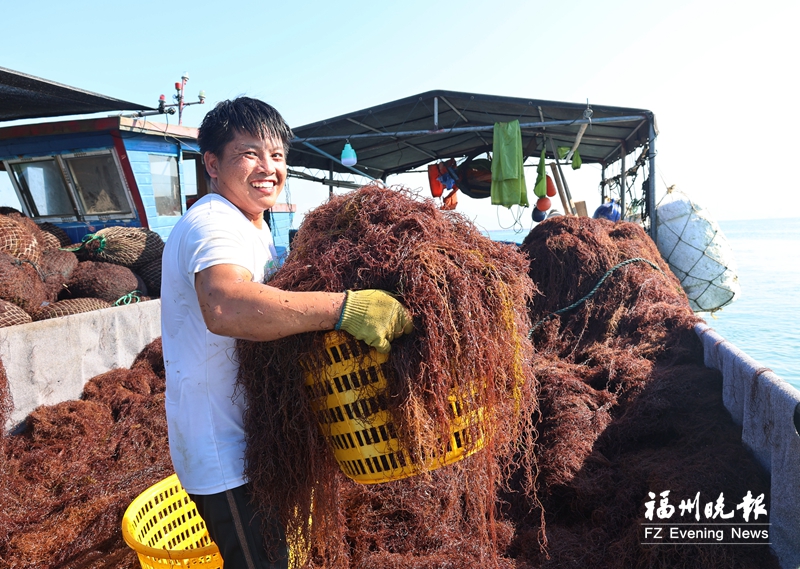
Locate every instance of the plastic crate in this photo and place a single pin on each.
(347, 396)
(164, 529)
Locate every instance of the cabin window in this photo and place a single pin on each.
(8, 196)
(166, 184)
(189, 172)
(98, 184)
(43, 185)
(193, 175)
(72, 187)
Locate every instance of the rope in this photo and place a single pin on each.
(594, 290)
(94, 237)
(88, 238)
(132, 296)
(19, 262)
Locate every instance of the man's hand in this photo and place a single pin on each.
(375, 317)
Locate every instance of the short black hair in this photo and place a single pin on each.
(243, 115)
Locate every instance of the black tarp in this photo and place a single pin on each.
(26, 97)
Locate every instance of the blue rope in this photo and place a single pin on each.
(594, 290)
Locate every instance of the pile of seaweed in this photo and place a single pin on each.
(626, 407)
(468, 297)
(614, 388)
(43, 275)
(69, 474)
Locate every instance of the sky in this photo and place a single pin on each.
(719, 76)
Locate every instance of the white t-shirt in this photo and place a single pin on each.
(206, 433)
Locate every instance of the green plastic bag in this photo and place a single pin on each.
(576, 160)
(540, 189)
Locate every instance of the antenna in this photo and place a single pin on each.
(178, 97)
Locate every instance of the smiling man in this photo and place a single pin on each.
(213, 265)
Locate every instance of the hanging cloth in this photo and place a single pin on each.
(508, 178)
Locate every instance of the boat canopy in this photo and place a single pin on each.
(401, 135)
(24, 96)
(405, 134)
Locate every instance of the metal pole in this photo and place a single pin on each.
(456, 130)
(651, 186)
(622, 182)
(436, 113)
(563, 179)
(603, 184)
(330, 177)
(561, 194)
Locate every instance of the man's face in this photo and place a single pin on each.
(250, 173)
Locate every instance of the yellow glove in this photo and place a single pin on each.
(375, 317)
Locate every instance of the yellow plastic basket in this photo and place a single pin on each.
(164, 529)
(347, 396)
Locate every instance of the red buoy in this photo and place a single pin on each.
(551, 187)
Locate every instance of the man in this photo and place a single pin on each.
(214, 263)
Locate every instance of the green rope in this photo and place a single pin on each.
(128, 298)
(594, 290)
(94, 237)
(88, 238)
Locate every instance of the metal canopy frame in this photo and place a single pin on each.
(405, 134)
(24, 96)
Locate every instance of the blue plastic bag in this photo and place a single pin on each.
(609, 210)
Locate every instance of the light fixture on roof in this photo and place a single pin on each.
(348, 155)
(180, 102)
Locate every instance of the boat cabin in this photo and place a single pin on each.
(84, 175)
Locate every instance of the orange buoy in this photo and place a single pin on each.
(543, 204)
(437, 188)
(551, 187)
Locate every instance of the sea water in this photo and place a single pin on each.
(764, 321)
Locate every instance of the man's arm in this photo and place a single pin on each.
(233, 305)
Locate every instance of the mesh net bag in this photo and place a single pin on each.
(57, 232)
(151, 275)
(11, 314)
(48, 241)
(70, 306)
(21, 283)
(18, 240)
(31, 226)
(130, 247)
(56, 269)
(106, 281)
(693, 244)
